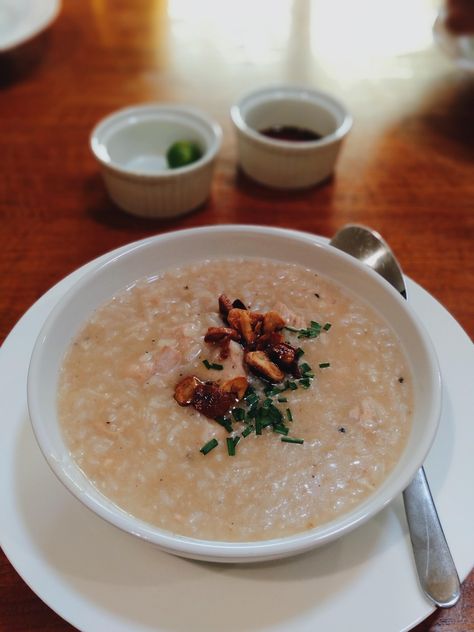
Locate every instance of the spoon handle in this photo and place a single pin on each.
(436, 570)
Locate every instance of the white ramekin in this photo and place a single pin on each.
(130, 146)
(285, 164)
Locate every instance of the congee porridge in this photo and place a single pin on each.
(236, 399)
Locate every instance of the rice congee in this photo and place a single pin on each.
(236, 399)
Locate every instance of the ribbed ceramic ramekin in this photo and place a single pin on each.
(289, 164)
(131, 145)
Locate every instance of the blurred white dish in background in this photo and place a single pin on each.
(289, 164)
(21, 20)
(131, 145)
(459, 48)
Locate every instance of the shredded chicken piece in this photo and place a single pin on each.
(291, 318)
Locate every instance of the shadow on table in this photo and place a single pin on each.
(445, 110)
(23, 61)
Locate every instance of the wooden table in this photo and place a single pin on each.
(406, 169)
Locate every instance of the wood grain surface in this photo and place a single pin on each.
(405, 170)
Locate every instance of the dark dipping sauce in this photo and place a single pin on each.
(291, 133)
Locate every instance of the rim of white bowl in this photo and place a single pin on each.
(278, 92)
(148, 111)
(217, 550)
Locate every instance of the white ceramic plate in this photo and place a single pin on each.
(20, 20)
(99, 578)
(460, 48)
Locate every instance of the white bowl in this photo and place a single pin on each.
(131, 145)
(182, 247)
(289, 164)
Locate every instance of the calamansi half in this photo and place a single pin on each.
(183, 153)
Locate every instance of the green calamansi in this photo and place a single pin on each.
(183, 153)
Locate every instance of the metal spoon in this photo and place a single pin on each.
(436, 570)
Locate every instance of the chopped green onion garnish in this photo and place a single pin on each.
(258, 425)
(210, 445)
(271, 391)
(324, 365)
(238, 414)
(305, 382)
(252, 412)
(267, 403)
(305, 367)
(209, 365)
(327, 326)
(299, 353)
(225, 423)
(283, 430)
(291, 440)
(312, 331)
(289, 415)
(251, 399)
(230, 446)
(282, 399)
(291, 385)
(247, 431)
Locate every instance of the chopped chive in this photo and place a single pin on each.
(213, 365)
(312, 331)
(230, 446)
(267, 403)
(291, 440)
(324, 365)
(282, 399)
(247, 431)
(236, 440)
(327, 326)
(210, 445)
(252, 412)
(275, 414)
(305, 382)
(258, 426)
(283, 430)
(224, 422)
(271, 391)
(299, 353)
(250, 390)
(251, 399)
(292, 386)
(289, 415)
(238, 414)
(305, 367)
